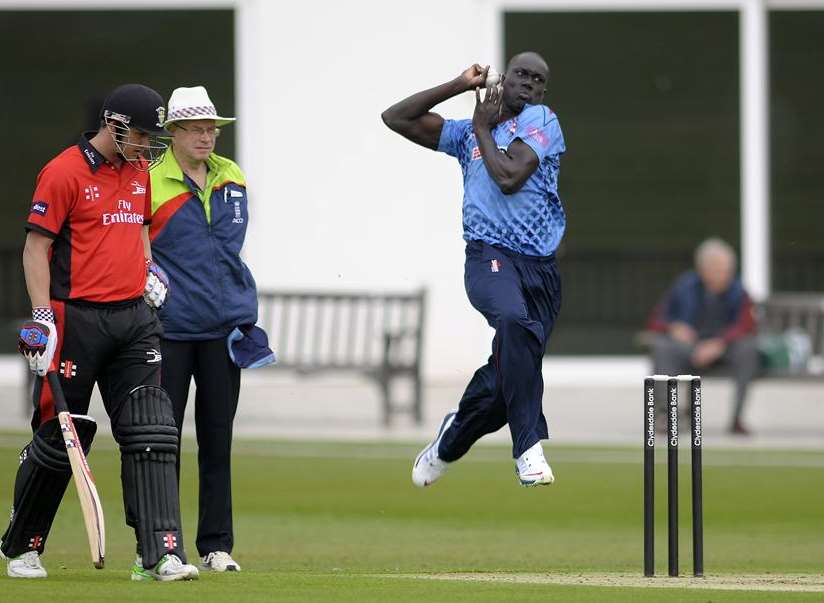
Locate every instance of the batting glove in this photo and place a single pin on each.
(157, 285)
(38, 340)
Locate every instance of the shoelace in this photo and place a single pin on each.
(534, 459)
(173, 561)
(219, 556)
(31, 559)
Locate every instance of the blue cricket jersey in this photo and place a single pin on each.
(531, 221)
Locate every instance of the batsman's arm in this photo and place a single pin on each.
(412, 117)
(157, 281)
(36, 268)
(147, 245)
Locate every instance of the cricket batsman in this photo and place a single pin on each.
(94, 292)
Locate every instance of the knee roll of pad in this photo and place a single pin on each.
(147, 434)
(47, 448)
(147, 422)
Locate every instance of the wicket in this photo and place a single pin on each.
(672, 473)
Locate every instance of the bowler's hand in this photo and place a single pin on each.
(487, 112)
(474, 77)
(681, 331)
(708, 351)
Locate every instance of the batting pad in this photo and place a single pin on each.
(41, 481)
(147, 435)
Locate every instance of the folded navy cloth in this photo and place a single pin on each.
(249, 347)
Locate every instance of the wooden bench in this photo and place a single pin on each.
(804, 314)
(377, 335)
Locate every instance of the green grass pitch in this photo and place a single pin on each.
(342, 522)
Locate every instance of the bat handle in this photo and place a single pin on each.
(57, 392)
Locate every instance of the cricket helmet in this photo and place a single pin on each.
(139, 107)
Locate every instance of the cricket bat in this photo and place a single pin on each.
(82, 476)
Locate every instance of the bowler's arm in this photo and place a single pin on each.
(413, 118)
(510, 169)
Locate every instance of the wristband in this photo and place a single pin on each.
(44, 313)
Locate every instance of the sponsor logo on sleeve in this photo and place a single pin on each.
(40, 208)
(538, 136)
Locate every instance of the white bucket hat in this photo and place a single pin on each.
(193, 103)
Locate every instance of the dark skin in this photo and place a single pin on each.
(523, 83)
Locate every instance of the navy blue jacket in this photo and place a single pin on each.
(196, 238)
(683, 303)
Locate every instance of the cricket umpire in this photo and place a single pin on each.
(199, 218)
(513, 221)
(94, 292)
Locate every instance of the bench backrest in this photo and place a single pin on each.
(312, 331)
(803, 311)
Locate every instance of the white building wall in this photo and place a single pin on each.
(339, 200)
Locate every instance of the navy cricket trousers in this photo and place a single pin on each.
(217, 383)
(520, 297)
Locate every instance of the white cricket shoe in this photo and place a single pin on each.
(220, 561)
(169, 568)
(532, 468)
(428, 467)
(26, 565)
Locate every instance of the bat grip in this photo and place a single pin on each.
(57, 392)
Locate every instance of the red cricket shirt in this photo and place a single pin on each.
(95, 212)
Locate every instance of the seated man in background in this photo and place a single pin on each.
(706, 320)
